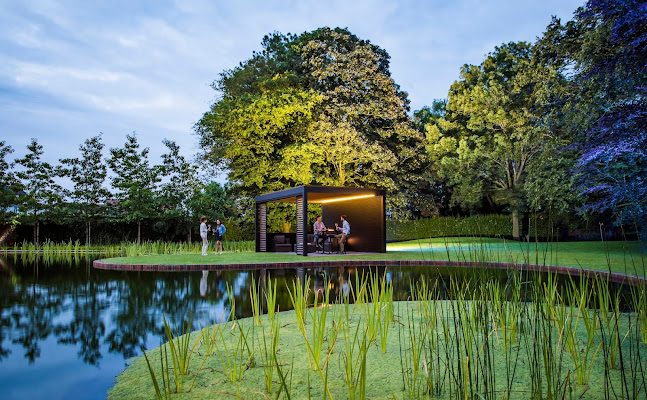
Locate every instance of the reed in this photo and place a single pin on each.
(299, 298)
(581, 350)
(165, 392)
(268, 352)
(437, 371)
(377, 298)
(386, 307)
(255, 303)
(414, 359)
(354, 361)
(639, 303)
(181, 350)
(128, 249)
(233, 356)
(269, 292)
(547, 352)
(318, 314)
(476, 345)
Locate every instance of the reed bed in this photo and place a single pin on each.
(526, 338)
(128, 249)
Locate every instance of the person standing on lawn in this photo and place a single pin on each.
(220, 232)
(203, 234)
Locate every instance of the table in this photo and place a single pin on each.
(328, 236)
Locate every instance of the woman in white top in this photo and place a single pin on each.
(203, 235)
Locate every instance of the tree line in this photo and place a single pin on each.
(173, 193)
(556, 126)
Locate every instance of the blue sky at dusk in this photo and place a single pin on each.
(72, 69)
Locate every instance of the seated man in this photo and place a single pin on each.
(345, 231)
(319, 228)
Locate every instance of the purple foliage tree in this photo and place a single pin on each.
(612, 64)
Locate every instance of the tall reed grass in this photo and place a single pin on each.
(128, 249)
(530, 336)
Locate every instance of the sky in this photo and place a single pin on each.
(70, 70)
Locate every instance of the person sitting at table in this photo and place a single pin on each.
(319, 229)
(345, 231)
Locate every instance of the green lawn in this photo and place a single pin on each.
(628, 257)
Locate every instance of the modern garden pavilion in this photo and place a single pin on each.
(365, 209)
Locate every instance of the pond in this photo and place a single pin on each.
(67, 329)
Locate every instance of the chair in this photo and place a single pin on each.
(312, 246)
(281, 244)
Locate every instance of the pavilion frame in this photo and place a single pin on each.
(364, 207)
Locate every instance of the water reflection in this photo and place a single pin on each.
(59, 317)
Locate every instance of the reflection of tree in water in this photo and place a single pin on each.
(142, 305)
(31, 309)
(86, 327)
(117, 312)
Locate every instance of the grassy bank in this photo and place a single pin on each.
(623, 257)
(488, 343)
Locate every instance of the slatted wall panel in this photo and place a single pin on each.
(261, 227)
(300, 224)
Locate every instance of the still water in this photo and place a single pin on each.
(67, 330)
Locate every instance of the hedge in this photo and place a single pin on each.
(476, 225)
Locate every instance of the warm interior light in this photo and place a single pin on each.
(347, 198)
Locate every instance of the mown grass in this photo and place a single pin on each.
(623, 257)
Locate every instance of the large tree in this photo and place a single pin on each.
(182, 183)
(604, 49)
(315, 108)
(135, 181)
(493, 132)
(41, 192)
(88, 174)
(603, 106)
(7, 187)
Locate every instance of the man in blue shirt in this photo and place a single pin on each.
(345, 231)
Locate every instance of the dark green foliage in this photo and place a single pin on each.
(8, 186)
(40, 195)
(423, 228)
(176, 194)
(602, 106)
(135, 182)
(491, 133)
(88, 173)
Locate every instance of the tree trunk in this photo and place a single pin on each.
(188, 232)
(515, 225)
(37, 233)
(88, 235)
(139, 231)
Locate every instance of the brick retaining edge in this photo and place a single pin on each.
(573, 271)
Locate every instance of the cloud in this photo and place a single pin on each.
(69, 70)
